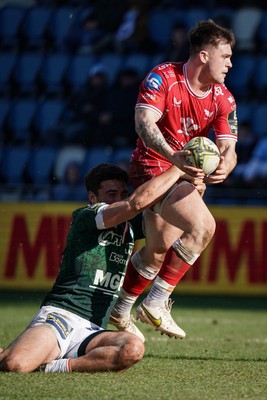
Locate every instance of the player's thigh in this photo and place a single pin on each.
(160, 235)
(185, 209)
(35, 346)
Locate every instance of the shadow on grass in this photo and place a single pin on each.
(10, 297)
(208, 358)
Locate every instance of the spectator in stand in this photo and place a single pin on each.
(88, 37)
(178, 49)
(82, 111)
(71, 188)
(116, 123)
(133, 34)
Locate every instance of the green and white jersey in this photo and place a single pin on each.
(92, 267)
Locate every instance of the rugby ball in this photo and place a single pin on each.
(204, 154)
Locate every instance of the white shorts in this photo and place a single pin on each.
(70, 329)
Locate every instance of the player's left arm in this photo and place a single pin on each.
(227, 162)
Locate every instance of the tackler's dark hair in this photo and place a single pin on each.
(103, 172)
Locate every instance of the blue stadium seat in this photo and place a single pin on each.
(139, 62)
(122, 154)
(261, 34)
(15, 160)
(11, 18)
(244, 112)
(112, 62)
(4, 109)
(260, 78)
(20, 118)
(245, 25)
(34, 26)
(239, 77)
(26, 72)
(7, 62)
(258, 121)
(47, 117)
(41, 165)
(160, 23)
(78, 69)
(61, 22)
(94, 156)
(52, 72)
(193, 15)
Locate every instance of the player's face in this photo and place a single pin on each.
(218, 62)
(111, 191)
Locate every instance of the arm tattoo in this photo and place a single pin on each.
(152, 137)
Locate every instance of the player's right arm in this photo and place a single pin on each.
(148, 131)
(143, 197)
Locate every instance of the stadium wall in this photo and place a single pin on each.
(32, 238)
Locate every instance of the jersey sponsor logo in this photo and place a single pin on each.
(109, 237)
(177, 103)
(108, 281)
(153, 81)
(189, 127)
(163, 66)
(60, 324)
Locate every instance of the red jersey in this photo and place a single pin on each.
(182, 114)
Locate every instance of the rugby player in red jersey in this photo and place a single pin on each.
(178, 101)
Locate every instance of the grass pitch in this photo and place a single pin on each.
(224, 356)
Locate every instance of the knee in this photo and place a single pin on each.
(131, 352)
(205, 229)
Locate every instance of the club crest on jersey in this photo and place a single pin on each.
(153, 81)
(188, 126)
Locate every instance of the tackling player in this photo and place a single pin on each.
(69, 332)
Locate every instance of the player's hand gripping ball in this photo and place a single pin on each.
(204, 154)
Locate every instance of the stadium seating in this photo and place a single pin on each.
(78, 69)
(60, 23)
(245, 23)
(8, 60)
(26, 72)
(11, 18)
(19, 120)
(261, 34)
(34, 26)
(41, 164)
(52, 73)
(96, 155)
(112, 63)
(239, 77)
(258, 122)
(139, 62)
(14, 162)
(66, 155)
(260, 78)
(46, 118)
(4, 109)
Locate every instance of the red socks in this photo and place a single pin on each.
(173, 268)
(134, 284)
